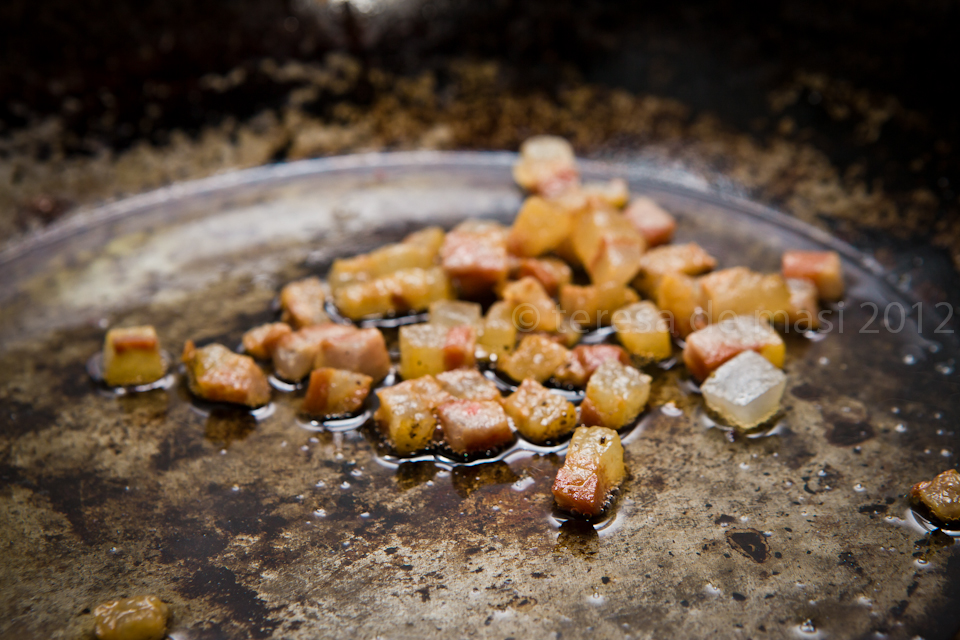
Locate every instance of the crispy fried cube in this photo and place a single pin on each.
(680, 298)
(584, 360)
(430, 238)
(941, 495)
(616, 394)
(651, 220)
(740, 291)
(474, 256)
(608, 246)
(642, 329)
(260, 342)
(547, 165)
(745, 390)
(406, 414)
(539, 227)
(534, 310)
(499, 335)
(417, 251)
(361, 351)
(429, 349)
(401, 291)
(302, 303)
(594, 305)
(294, 354)
(472, 426)
(822, 267)
(713, 345)
(804, 308)
(452, 313)
(335, 392)
(468, 384)
(138, 618)
(592, 470)
(217, 374)
(131, 356)
(540, 416)
(536, 358)
(612, 193)
(689, 259)
(550, 272)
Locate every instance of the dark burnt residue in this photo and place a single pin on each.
(846, 433)
(724, 520)
(18, 418)
(414, 474)
(219, 585)
(579, 539)
(750, 543)
(226, 425)
(467, 479)
(806, 391)
(873, 508)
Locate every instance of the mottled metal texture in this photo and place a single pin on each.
(264, 529)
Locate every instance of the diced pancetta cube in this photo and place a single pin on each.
(941, 496)
(429, 349)
(594, 305)
(472, 426)
(689, 259)
(550, 272)
(642, 329)
(137, 618)
(593, 469)
(499, 334)
(259, 342)
(680, 298)
(547, 165)
(713, 345)
(451, 313)
(302, 303)
(335, 392)
(651, 220)
(361, 351)
(131, 356)
(537, 357)
(534, 310)
(540, 416)
(822, 267)
(217, 374)
(539, 227)
(616, 394)
(608, 246)
(584, 360)
(474, 256)
(404, 290)
(468, 384)
(295, 353)
(740, 291)
(745, 390)
(804, 308)
(612, 193)
(417, 251)
(406, 417)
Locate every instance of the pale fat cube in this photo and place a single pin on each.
(745, 390)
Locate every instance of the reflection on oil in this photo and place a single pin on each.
(467, 479)
(414, 474)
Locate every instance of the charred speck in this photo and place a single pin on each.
(739, 597)
(873, 508)
(846, 559)
(899, 609)
(724, 519)
(750, 543)
(845, 433)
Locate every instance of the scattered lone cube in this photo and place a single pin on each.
(540, 416)
(616, 394)
(941, 495)
(468, 384)
(823, 268)
(139, 618)
(642, 329)
(361, 350)
(592, 470)
(405, 416)
(429, 349)
(335, 392)
(131, 356)
(260, 342)
(294, 354)
(499, 335)
(689, 259)
(474, 256)
(472, 426)
(746, 390)
(713, 345)
(537, 358)
(217, 374)
(653, 222)
(302, 303)
(584, 360)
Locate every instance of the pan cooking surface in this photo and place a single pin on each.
(261, 525)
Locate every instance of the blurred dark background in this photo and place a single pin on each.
(842, 113)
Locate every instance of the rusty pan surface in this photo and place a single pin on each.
(264, 526)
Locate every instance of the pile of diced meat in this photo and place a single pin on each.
(513, 302)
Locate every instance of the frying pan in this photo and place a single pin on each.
(265, 526)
